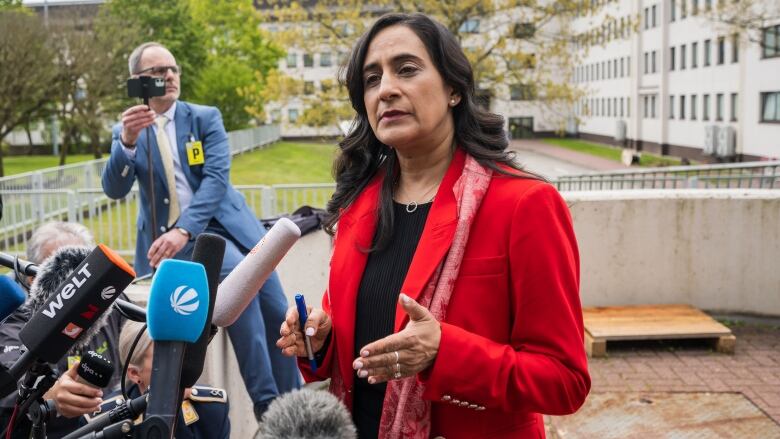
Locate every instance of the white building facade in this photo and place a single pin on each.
(676, 84)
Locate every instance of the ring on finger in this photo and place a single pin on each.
(397, 357)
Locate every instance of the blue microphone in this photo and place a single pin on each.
(11, 297)
(176, 314)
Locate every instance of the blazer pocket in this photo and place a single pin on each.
(486, 266)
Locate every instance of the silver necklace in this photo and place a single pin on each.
(412, 205)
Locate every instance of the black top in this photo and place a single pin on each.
(375, 310)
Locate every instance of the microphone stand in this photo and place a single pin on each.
(151, 173)
(39, 415)
(39, 379)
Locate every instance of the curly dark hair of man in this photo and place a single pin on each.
(479, 132)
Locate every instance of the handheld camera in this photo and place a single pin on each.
(145, 87)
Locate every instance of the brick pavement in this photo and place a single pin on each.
(753, 370)
(567, 155)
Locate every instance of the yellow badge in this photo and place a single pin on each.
(73, 359)
(188, 412)
(195, 153)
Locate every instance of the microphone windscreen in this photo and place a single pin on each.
(11, 297)
(178, 301)
(307, 414)
(242, 284)
(210, 251)
(69, 298)
(95, 369)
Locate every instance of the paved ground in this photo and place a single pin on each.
(754, 369)
(581, 160)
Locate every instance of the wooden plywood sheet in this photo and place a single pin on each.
(650, 322)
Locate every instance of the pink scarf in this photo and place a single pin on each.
(405, 414)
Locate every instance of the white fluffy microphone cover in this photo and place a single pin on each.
(242, 284)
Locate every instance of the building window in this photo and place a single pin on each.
(470, 26)
(647, 63)
(308, 60)
(694, 55)
(628, 66)
(521, 92)
(645, 106)
(683, 9)
(673, 10)
(693, 107)
(292, 115)
(652, 61)
(733, 107)
(614, 68)
(705, 108)
(647, 18)
(276, 115)
(292, 60)
(682, 57)
(719, 107)
(770, 106)
(707, 5)
(621, 107)
(671, 107)
(628, 107)
(325, 59)
(652, 106)
(609, 107)
(655, 16)
(721, 50)
(308, 87)
(707, 53)
(695, 7)
(682, 107)
(622, 69)
(770, 42)
(735, 48)
(672, 56)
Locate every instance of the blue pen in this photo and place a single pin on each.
(302, 317)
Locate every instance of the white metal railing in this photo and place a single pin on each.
(113, 222)
(751, 175)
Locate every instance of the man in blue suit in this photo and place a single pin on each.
(192, 193)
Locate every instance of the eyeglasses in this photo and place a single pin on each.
(161, 70)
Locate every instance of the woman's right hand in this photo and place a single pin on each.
(318, 327)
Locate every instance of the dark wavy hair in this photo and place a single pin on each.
(477, 131)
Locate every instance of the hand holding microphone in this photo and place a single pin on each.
(77, 392)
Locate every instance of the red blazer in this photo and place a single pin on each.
(512, 341)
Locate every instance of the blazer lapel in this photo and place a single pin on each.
(436, 237)
(355, 233)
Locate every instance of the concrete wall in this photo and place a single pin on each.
(714, 249)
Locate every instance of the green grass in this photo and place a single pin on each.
(610, 152)
(26, 163)
(285, 162)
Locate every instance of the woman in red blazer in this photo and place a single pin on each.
(452, 308)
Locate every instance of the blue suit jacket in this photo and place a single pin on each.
(213, 197)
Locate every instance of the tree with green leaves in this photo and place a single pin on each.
(171, 24)
(744, 17)
(30, 77)
(513, 45)
(239, 57)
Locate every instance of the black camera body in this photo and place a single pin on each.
(145, 87)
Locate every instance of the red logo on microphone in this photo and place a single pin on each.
(72, 330)
(89, 314)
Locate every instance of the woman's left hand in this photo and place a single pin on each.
(403, 354)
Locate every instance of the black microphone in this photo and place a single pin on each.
(130, 310)
(130, 410)
(210, 251)
(94, 370)
(69, 297)
(307, 414)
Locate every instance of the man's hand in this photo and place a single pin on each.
(166, 247)
(135, 119)
(73, 398)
